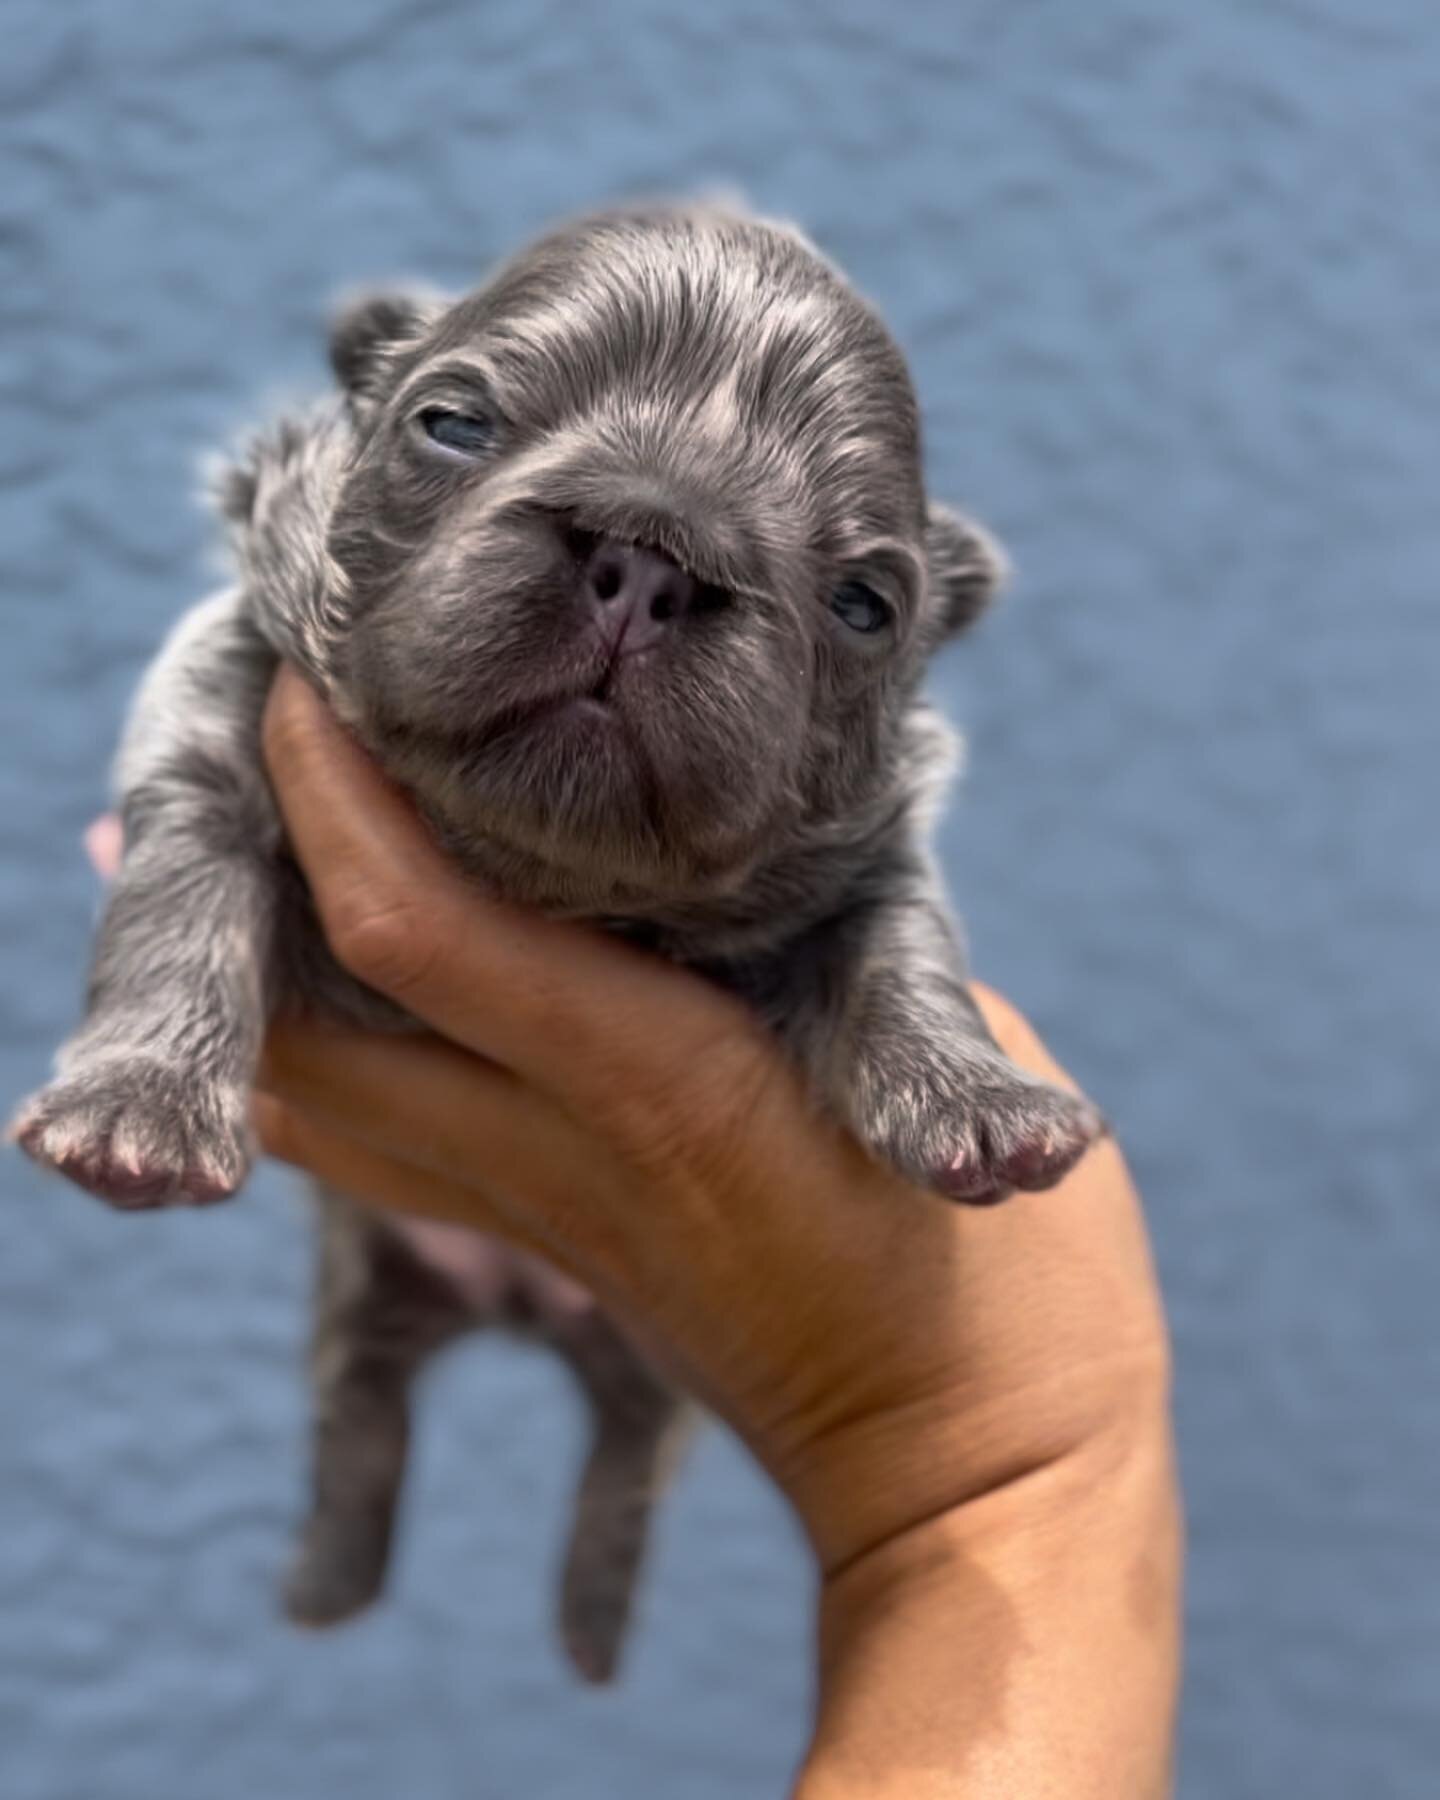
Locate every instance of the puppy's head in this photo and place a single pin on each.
(640, 572)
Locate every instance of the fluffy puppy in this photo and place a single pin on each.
(623, 566)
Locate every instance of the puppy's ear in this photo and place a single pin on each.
(967, 569)
(370, 333)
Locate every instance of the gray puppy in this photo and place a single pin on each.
(623, 567)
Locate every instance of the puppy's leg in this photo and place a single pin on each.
(380, 1314)
(896, 1044)
(639, 1428)
(149, 1101)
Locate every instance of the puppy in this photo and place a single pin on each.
(623, 567)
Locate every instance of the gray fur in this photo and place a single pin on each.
(753, 801)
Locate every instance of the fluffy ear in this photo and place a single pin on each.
(967, 569)
(371, 331)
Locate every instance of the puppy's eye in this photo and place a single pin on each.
(860, 607)
(466, 433)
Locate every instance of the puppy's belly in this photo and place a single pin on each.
(490, 1275)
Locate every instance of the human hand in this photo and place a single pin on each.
(910, 1373)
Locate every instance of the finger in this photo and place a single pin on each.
(424, 1104)
(580, 1014)
(306, 1142)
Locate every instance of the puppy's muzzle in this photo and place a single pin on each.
(635, 596)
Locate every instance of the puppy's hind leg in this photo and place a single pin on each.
(639, 1429)
(380, 1315)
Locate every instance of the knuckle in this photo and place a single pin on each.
(393, 942)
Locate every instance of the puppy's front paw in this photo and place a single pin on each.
(1015, 1132)
(138, 1131)
(979, 1128)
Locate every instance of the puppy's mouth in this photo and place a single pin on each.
(600, 698)
(594, 708)
(597, 697)
(593, 700)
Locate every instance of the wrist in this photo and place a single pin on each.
(1023, 1640)
(910, 1472)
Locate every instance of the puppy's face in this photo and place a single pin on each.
(639, 566)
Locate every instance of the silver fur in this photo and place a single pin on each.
(750, 797)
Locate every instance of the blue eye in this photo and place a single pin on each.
(860, 607)
(466, 433)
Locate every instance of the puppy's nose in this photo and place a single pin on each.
(635, 594)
